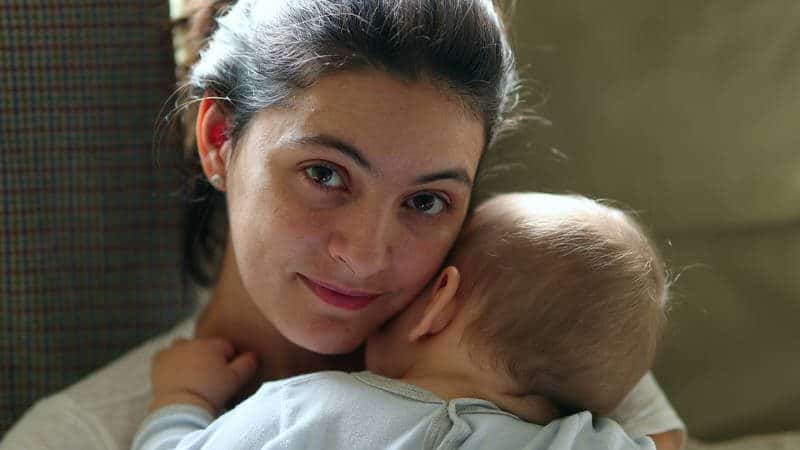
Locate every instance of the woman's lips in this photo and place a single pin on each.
(339, 297)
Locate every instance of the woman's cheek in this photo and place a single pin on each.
(266, 212)
(421, 262)
(291, 206)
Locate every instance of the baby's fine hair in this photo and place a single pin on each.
(567, 294)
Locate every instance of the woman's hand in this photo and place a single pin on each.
(669, 440)
(202, 372)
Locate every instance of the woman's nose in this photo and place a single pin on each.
(362, 243)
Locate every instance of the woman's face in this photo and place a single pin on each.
(344, 205)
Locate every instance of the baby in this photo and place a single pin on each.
(548, 311)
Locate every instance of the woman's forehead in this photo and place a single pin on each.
(386, 123)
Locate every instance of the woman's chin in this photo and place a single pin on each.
(337, 349)
(330, 343)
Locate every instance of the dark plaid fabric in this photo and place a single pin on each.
(89, 234)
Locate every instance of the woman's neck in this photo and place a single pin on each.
(232, 315)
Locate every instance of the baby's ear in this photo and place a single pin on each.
(441, 307)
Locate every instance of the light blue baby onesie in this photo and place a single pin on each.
(364, 411)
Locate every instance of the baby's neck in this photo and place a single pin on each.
(448, 386)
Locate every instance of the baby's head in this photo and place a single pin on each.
(561, 295)
(566, 294)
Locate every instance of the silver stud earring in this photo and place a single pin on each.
(216, 181)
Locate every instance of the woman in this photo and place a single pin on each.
(342, 140)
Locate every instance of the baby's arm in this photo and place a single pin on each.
(192, 380)
(200, 372)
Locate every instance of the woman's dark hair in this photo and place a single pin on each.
(260, 52)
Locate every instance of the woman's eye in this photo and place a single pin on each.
(428, 204)
(326, 176)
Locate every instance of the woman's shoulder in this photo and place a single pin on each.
(102, 410)
(56, 422)
(646, 410)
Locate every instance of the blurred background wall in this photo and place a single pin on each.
(686, 112)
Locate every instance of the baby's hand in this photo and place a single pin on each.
(201, 372)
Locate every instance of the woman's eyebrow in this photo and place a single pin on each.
(356, 155)
(337, 144)
(452, 174)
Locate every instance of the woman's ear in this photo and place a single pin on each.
(441, 307)
(213, 146)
